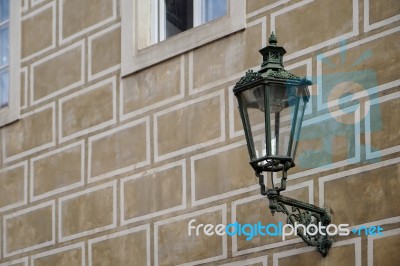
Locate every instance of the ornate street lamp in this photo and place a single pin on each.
(272, 102)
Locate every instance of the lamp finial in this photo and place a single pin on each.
(272, 39)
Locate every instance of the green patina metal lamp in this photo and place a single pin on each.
(271, 103)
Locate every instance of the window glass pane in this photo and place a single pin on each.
(171, 17)
(4, 87)
(212, 9)
(4, 46)
(4, 10)
(178, 16)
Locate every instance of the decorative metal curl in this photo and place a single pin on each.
(301, 213)
(306, 218)
(250, 77)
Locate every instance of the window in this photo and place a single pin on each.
(4, 51)
(9, 60)
(176, 16)
(155, 30)
(162, 19)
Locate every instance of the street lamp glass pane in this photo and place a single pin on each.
(282, 101)
(277, 97)
(253, 110)
(298, 119)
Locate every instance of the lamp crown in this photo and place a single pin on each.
(272, 55)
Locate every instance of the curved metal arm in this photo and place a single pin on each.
(301, 213)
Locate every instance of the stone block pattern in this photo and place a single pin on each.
(383, 249)
(78, 17)
(88, 110)
(163, 83)
(13, 186)
(286, 23)
(108, 170)
(198, 123)
(58, 170)
(51, 77)
(67, 255)
(341, 255)
(20, 139)
(253, 209)
(138, 192)
(379, 11)
(128, 247)
(355, 190)
(38, 31)
(169, 236)
(87, 211)
(29, 229)
(105, 51)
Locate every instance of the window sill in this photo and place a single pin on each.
(7, 117)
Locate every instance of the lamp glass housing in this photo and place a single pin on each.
(272, 113)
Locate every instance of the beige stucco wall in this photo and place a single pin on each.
(101, 170)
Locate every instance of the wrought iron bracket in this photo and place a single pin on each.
(301, 214)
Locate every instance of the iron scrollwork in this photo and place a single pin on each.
(306, 218)
(250, 77)
(300, 213)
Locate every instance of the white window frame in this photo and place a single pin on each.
(134, 59)
(11, 112)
